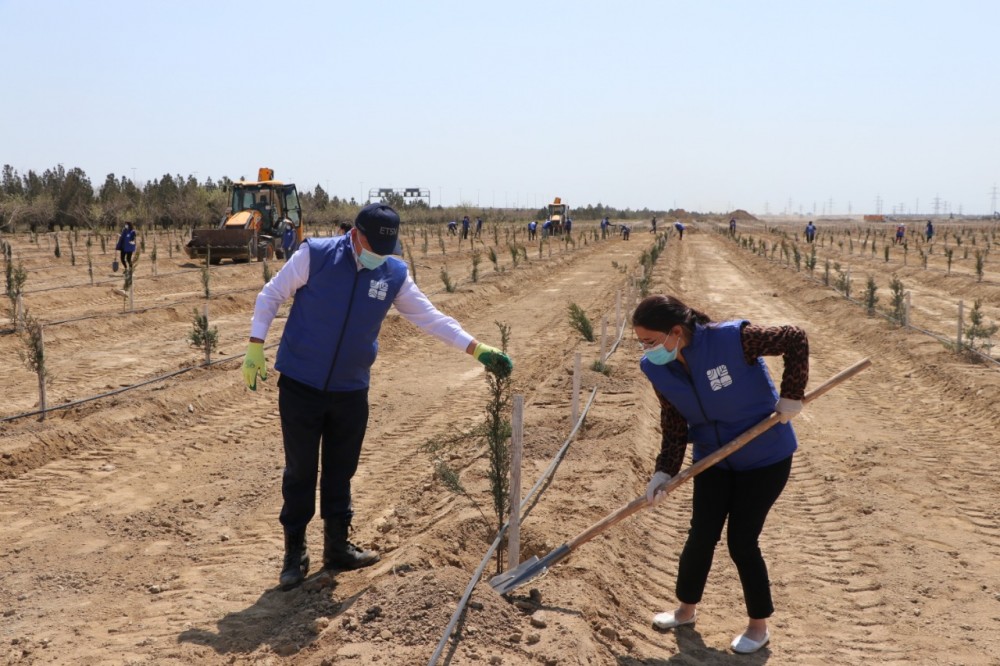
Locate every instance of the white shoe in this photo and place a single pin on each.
(668, 621)
(743, 645)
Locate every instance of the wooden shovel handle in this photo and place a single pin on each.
(709, 460)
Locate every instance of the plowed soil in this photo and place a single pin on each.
(141, 528)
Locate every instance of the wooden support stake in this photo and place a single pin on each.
(618, 312)
(574, 410)
(961, 325)
(604, 337)
(516, 448)
(208, 345)
(906, 310)
(41, 372)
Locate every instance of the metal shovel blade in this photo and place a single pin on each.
(528, 570)
(508, 580)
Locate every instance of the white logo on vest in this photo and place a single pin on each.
(718, 378)
(378, 289)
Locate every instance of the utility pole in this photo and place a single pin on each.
(993, 200)
(937, 204)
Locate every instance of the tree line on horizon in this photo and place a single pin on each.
(58, 199)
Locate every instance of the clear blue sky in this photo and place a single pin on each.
(699, 104)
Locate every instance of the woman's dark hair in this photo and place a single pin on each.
(662, 313)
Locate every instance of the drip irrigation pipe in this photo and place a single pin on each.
(123, 389)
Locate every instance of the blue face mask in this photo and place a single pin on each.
(370, 260)
(659, 355)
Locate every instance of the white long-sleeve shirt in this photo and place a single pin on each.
(410, 302)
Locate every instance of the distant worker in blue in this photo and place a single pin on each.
(452, 228)
(810, 232)
(732, 226)
(604, 227)
(126, 246)
(680, 229)
(653, 230)
(343, 287)
(626, 230)
(288, 240)
(465, 227)
(532, 230)
(929, 231)
(479, 226)
(547, 229)
(568, 226)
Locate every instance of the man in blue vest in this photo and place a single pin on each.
(343, 288)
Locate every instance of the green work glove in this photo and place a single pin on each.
(254, 364)
(495, 360)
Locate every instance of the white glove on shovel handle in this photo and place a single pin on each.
(787, 408)
(654, 490)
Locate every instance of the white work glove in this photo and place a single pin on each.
(787, 408)
(654, 490)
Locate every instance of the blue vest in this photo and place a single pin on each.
(722, 397)
(331, 337)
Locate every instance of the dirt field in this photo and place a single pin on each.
(142, 528)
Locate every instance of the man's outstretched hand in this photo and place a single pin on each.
(495, 360)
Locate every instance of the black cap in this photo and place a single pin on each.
(380, 225)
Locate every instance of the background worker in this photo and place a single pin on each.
(126, 245)
(810, 232)
(288, 239)
(713, 385)
(343, 288)
(465, 227)
(929, 231)
(532, 230)
(679, 226)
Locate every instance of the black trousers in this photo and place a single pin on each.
(317, 427)
(126, 259)
(745, 498)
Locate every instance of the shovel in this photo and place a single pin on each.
(534, 567)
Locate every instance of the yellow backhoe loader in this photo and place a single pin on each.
(253, 224)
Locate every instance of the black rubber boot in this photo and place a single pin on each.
(338, 552)
(296, 564)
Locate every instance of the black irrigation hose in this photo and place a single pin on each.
(122, 389)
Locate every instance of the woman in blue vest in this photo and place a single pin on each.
(712, 385)
(343, 288)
